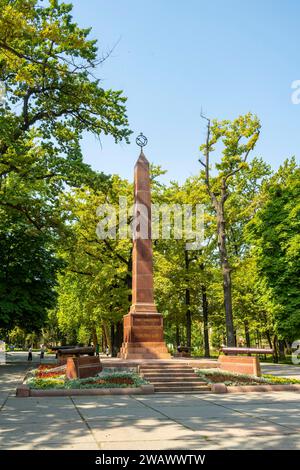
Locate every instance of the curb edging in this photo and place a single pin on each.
(24, 391)
(222, 388)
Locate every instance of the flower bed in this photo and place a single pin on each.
(44, 367)
(55, 378)
(213, 376)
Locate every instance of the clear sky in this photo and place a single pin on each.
(174, 57)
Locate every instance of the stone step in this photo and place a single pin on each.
(144, 344)
(165, 367)
(177, 384)
(167, 379)
(183, 389)
(166, 371)
(182, 392)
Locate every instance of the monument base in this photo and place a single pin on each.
(143, 337)
(242, 365)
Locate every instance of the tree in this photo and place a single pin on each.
(275, 235)
(47, 64)
(239, 138)
(94, 289)
(27, 275)
(178, 272)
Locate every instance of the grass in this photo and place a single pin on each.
(232, 378)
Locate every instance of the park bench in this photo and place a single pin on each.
(233, 361)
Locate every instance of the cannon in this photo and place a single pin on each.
(64, 353)
(229, 350)
(233, 362)
(77, 351)
(81, 361)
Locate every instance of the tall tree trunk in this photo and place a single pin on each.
(95, 338)
(205, 321)
(177, 335)
(281, 346)
(119, 335)
(188, 319)
(275, 346)
(107, 340)
(247, 334)
(188, 307)
(268, 336)
(226, 272)
(113, 340)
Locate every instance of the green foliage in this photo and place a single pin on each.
(280, 380)
(235, 378)
(95, 287)
(45, 384)
(47, 63)
(274, 232)
(90, 382)
(27, 275)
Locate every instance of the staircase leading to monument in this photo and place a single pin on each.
(173, 378)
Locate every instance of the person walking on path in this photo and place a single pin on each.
(42, 353)
(30, 354)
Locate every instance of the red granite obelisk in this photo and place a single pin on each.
(143, 325)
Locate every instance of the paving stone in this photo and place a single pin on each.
(238, 425)
(191, 421)
(208, 411)
(44, 433)
(165, 444)
(140, 429)
(110, 412)
(171, 400)
(55, 446)
(248, 398)
(121, 401)
(268, 442)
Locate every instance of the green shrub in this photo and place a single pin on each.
(46, 383)
(89, 382)
(234, 378)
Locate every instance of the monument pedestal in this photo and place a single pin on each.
(143, 337)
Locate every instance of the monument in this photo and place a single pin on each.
(143, 325)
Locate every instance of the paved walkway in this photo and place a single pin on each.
(206, 421)
(281, 370)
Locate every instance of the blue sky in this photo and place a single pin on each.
(174, 57)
